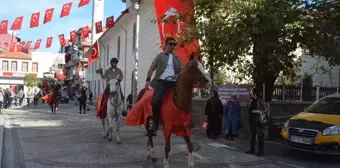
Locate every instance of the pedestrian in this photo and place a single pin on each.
(2, 95)
(12, 96)
(232, 118)
(36, 97)
(7, 98)
(256, 109)
(29, 96)
(214, 112)
(82, 100)
(129, 101)
(90, 95)
(21, 96)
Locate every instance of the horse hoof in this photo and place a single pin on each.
(118, 143)
(109, 139)
(191, 165)
(148, 156)
(154, 160)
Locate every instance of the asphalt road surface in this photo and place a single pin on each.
(34, 138)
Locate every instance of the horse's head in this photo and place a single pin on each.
(196, 72)
(114, 85)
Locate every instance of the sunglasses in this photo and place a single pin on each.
(172, 44)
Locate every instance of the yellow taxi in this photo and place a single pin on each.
(317, 129)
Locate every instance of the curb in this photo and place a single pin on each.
(2, 129)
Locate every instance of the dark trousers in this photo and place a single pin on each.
(258, 131)
(82, 106)
(157, 99)
(28, 101)
(0, 106)
(35, 101)
(20, 101)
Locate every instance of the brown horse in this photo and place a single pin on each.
(175, 111)
(53, 101)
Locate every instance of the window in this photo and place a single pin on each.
(118, 47)
(108, 53)
(14, 66)
(24, 67)
(134, 36)
(4, 65)
(35, 67)
(327, 105)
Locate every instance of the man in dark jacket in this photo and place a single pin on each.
(82, 100)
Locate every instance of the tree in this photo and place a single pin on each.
(260, 37)
(31, 81)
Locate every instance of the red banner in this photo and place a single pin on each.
(170, 25)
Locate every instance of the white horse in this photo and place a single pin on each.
(115, 108)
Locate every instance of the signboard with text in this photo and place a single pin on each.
(17, 74)
(227, 91)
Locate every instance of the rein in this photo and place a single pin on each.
(114, 95)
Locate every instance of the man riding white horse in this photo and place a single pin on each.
(111, 73)
(168, 67)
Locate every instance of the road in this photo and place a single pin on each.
(34, 138)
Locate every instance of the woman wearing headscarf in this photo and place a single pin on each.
(232, 117)
(214, 112)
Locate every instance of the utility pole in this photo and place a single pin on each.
(135, 89)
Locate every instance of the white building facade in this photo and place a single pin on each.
(115, 41)
(15, 65)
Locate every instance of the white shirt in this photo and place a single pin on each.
(169, 70)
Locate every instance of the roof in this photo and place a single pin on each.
(116, 21)
(15, 55)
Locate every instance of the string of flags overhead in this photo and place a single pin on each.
(84, 32)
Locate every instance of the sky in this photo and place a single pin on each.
(79, 17)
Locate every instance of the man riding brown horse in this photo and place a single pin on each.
(168, 67)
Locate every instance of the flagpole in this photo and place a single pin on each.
(135, 89)
(13, 31)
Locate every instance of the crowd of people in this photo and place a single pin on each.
(233, 119)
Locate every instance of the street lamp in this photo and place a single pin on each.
(136, 4)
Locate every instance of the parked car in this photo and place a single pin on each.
(64, 97)
(317, 129)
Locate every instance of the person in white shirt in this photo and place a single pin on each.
(168, 67)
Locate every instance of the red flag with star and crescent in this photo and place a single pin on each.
(170, 25)
(83, 3)
(4, 27)
(35, 20)
(73, 36)
(94, 54)
(65, 11)
(48, 15)
(28, 45)
(20, 45)
(61, 39)
(85, 32)
(12, 47)
(37, 44)
(17, 23)
(99, 27)
(49, 42)
(110, 22)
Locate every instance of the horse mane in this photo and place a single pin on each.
(140, 94)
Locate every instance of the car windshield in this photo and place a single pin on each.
(327, 105)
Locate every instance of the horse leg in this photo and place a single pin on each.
(104, 130)
(150, 153)
(167, 151)
(110, 122)
(190, 149)
(117, 130)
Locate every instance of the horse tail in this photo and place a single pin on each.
(140, 94)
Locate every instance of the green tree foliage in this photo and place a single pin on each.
(260, 37)
(31, 81)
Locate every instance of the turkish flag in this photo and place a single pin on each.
(35, 20)
(6, 44)
(94, 54)
(170, 25)
(49, 42)
(73, 36)
(20, 46)
(17, 23)
(110, 22)
(99, 27)
(37, 44)
(65, 11)
(3, 27)
(48, 15)
(28, 45)
(61, 39)
(85, 32)
(83, 3)
(12, 47)
(126, 11)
